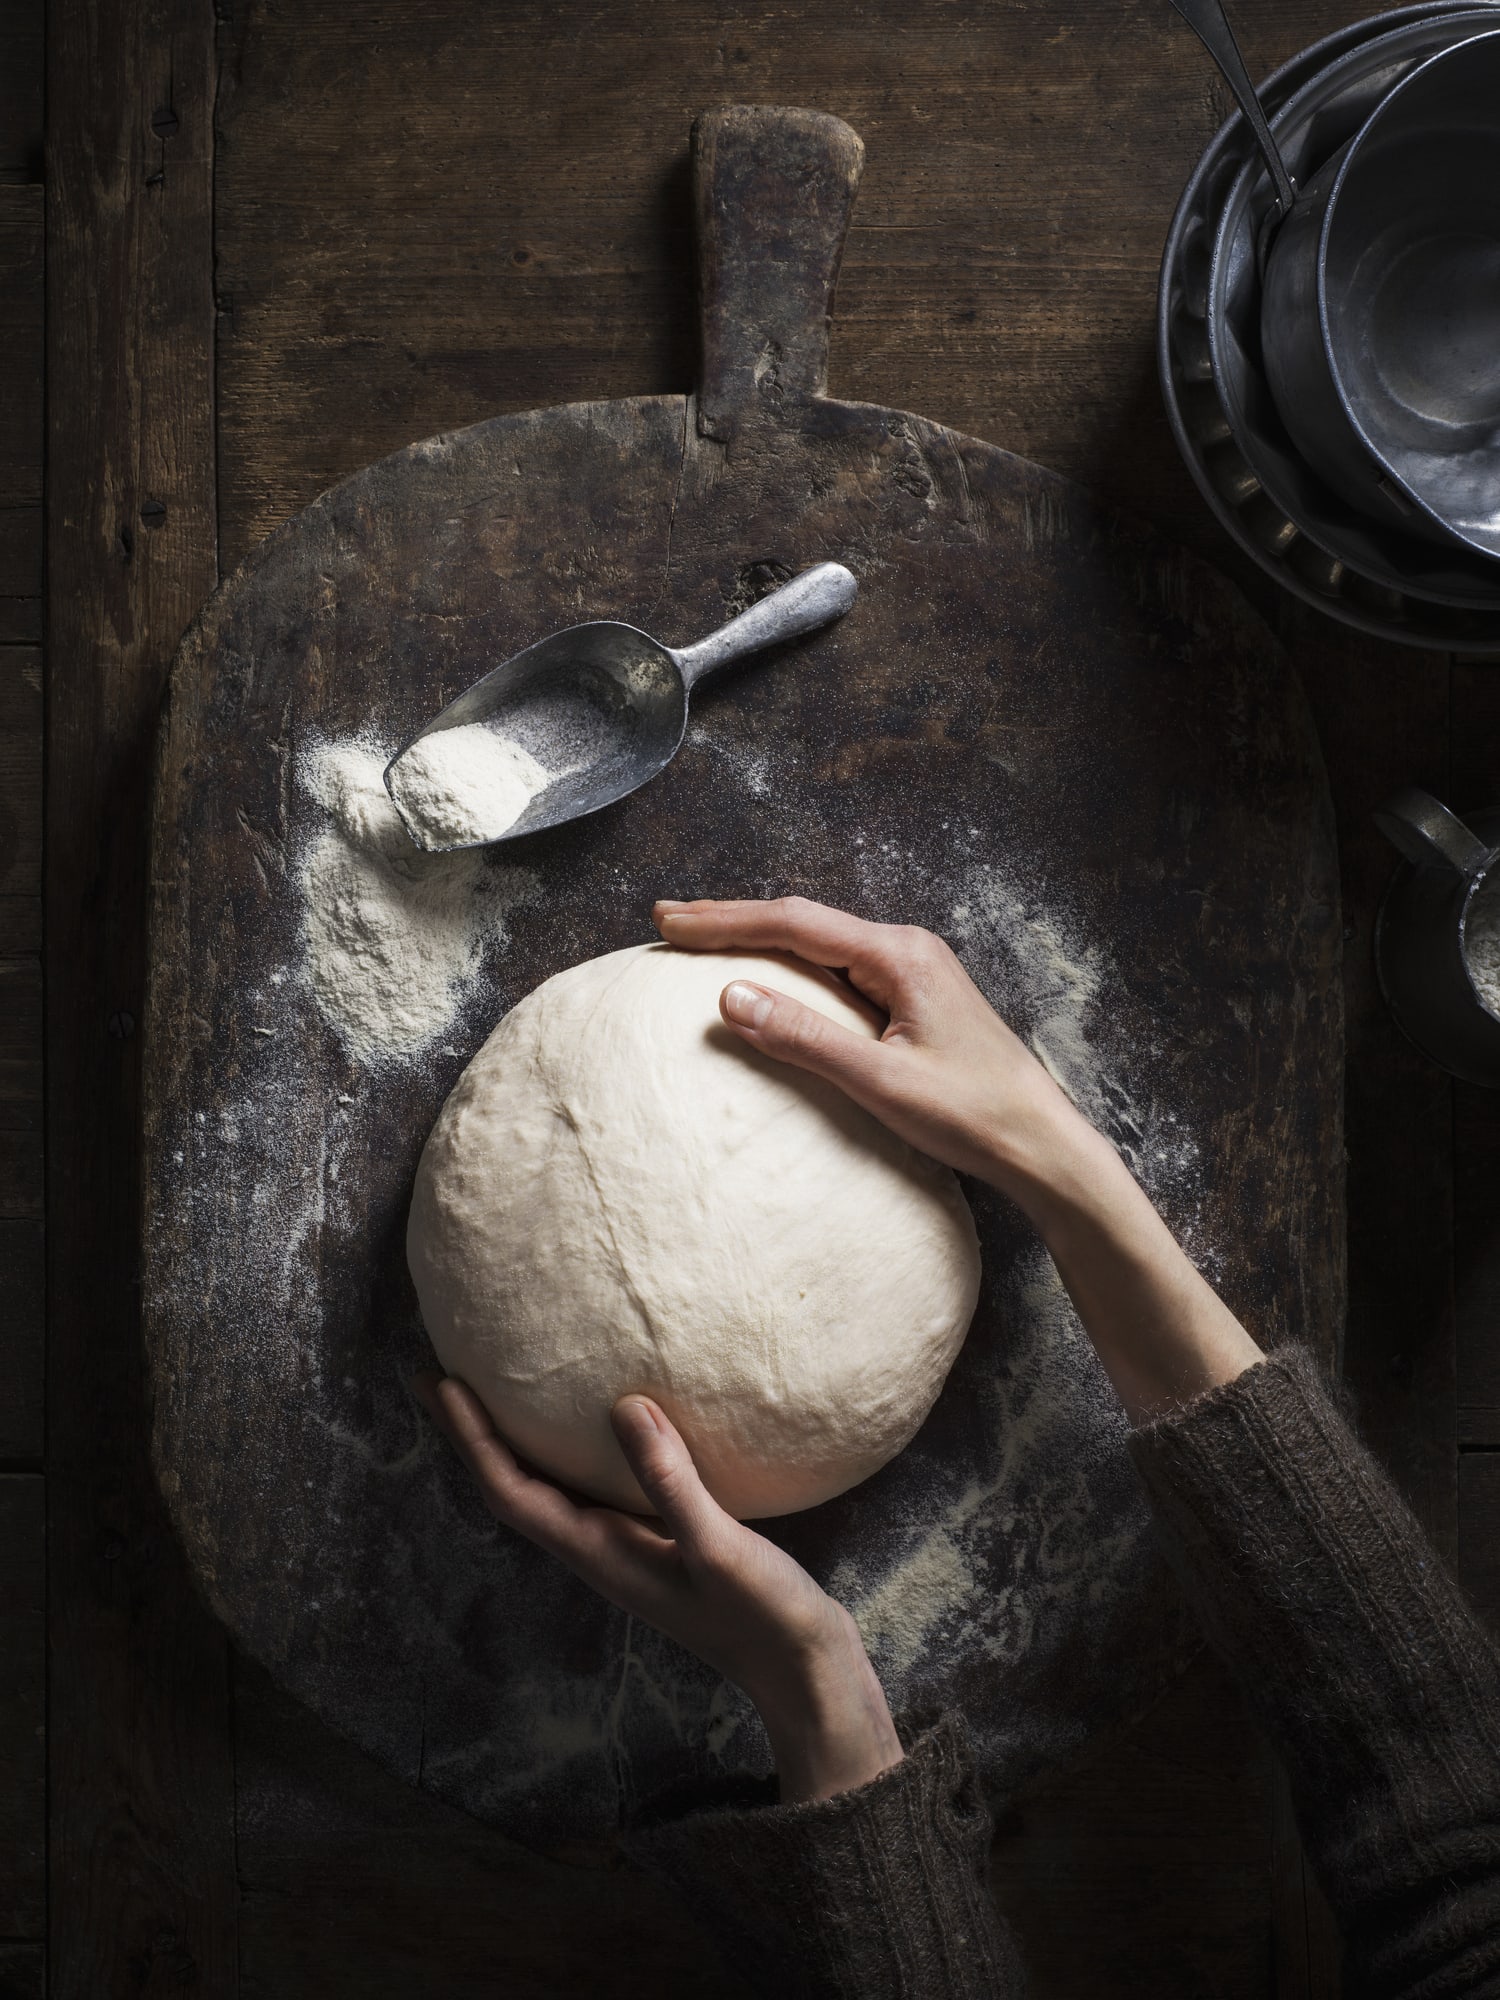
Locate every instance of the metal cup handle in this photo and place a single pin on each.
(1421, 827)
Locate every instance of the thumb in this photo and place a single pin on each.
(665, 1471)
(799, 1035)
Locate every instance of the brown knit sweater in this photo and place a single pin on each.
(1373, 1679)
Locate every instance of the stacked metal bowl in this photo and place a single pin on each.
(1379, 501)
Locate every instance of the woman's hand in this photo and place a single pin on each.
(951, 1079)
(704, 1579)
(947, 1075)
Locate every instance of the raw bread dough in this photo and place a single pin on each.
(620, 1195)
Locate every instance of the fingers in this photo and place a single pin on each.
(801, 1036)
(813, 931)
(535, 1507)
(873, 954)
(588, 1539)
(665, 1471)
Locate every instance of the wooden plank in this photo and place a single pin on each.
(353, 1882)
(1479, 1532)
(21, 329)
(22, 1367)
(21, 304)
(23, 1676)
(1475, 779)
(1144, 1868)
(20, 573)
(1382, 713)
(20, 1044)
(20, 1175)
(20, 926)
(21, 67)
(23, 1971)
(1000, 274)
(20, 771)
(140, 1783)
(1476, 1262)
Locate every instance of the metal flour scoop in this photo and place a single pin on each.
(593, 712)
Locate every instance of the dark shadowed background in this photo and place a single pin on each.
(260, 245)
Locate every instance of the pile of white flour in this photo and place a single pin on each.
(393, 936)
(463, 785)
(1482, 942)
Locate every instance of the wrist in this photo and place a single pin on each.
(829, 1723)
(1161, 1332)
(1049, 1159)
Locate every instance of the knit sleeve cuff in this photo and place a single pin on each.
(879, 1891)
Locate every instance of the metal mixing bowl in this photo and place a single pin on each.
(1312, 122)
(1380, 580)
(1380, 317)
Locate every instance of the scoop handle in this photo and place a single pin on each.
(813, 599)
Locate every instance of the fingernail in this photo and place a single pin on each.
(636, 1410)
(668, 903)
(750, 1006)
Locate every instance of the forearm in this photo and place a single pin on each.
(828, 1721)
(1161, 1332)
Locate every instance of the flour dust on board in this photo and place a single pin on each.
(393, 937)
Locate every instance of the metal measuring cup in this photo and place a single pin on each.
(1422, 950)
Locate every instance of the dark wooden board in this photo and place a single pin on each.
(20, 786)
(21, 1413)
(1479, 1531)
(1474, 782)
(23, 1972)
(139, 1788)
(324, 1838)
(21, 92)
(21, 324)
(23, 1498)
(1037, 713)
(23, 1769)
(1176, 1774)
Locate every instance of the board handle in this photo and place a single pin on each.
(773, 190)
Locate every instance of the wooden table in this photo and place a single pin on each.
(278, 244)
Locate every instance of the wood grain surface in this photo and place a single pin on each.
(422, 218)
(1039, 726)
(140, 1805)
(23, 1492)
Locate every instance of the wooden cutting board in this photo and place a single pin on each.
(1041, 731)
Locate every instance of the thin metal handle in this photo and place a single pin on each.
(1209, 23)
(815, 598)
(1422, 828)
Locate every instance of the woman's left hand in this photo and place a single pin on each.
(704, 1579)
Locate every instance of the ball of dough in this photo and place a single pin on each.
(620, 1195)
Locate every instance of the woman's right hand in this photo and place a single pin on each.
(947, 1074)
(952, 1080)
